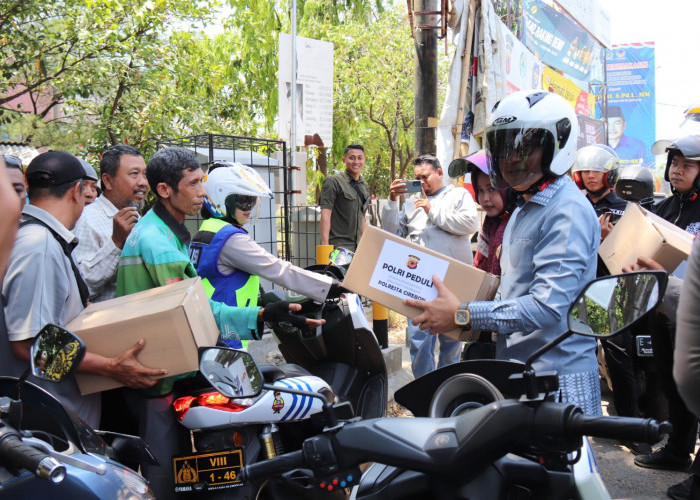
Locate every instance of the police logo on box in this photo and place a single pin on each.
(412, 262)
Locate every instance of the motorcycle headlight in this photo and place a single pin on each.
(134, 487)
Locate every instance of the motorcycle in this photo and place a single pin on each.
(478, 441)
(340, 360)
(48, 452)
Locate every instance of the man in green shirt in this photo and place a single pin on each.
(156, 254)
(344, 197)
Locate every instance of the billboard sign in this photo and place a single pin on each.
(582, 102)
(591, 15)
(631, 102)
(559, 41)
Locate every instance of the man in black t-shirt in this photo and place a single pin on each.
(595, 171)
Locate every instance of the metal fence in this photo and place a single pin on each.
(269, 159)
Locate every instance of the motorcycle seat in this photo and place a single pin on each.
(272, 373)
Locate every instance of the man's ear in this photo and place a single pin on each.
(76, 193)
(106, 182)
(163, 190)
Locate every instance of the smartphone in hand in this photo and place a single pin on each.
(413, 186)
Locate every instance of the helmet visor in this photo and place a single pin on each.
(516, 155)
(596, 157)
(245, 203)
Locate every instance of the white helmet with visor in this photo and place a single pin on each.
(531, 135)
(231, 186)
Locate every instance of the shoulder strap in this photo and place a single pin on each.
(67, 249)
(355, 185)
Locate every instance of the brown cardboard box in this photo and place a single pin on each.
(387, 268)
(174, 319)
(640, 233)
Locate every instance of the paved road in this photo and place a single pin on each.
(624, 479)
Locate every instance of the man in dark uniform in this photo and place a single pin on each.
(682, 208)
(343, 200)
(595, 171)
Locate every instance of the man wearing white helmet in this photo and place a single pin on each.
(549, 247)
(595, 171)
(228, 258)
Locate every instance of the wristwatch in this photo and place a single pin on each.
(462, 316)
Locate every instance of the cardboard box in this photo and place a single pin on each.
(640, 233)
(174, 319)
(387, 269)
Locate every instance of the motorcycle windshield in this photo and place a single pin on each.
(413, 395)
(42, 411)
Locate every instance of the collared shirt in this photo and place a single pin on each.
(40, 288)
(339, 195)
(633, 152)
(156, 254)
(445, 228)
(96, 254)
(549, 254)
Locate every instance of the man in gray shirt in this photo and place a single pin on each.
(43, 285)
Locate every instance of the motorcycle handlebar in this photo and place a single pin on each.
(15, 452)
(273, 466)
(625, 428)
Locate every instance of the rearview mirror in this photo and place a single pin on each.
(55, 353)
(610, 304)
(233, 373)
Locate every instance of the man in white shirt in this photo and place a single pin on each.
(440, 218)
(105, 224)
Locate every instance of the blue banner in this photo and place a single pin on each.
(559, 41)
(631, 96)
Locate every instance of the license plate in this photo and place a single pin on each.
(644, 349)
(208, 471)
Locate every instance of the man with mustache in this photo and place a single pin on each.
(549, 250)
(106, 223)
(156, 254)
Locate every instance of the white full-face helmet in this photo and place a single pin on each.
(230, 185)
(531, 135)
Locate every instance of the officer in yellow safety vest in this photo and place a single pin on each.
(228, 259)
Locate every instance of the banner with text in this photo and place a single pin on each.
(558, 40)
(405, 272)
(522, 68)
(314, 89)
(582, 102)
(631, 103)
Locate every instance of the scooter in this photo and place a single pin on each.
(340, 360)
(480, 442)
(48, 452)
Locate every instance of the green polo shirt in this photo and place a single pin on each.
(339, 195)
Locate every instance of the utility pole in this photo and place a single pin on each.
(426, 23)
